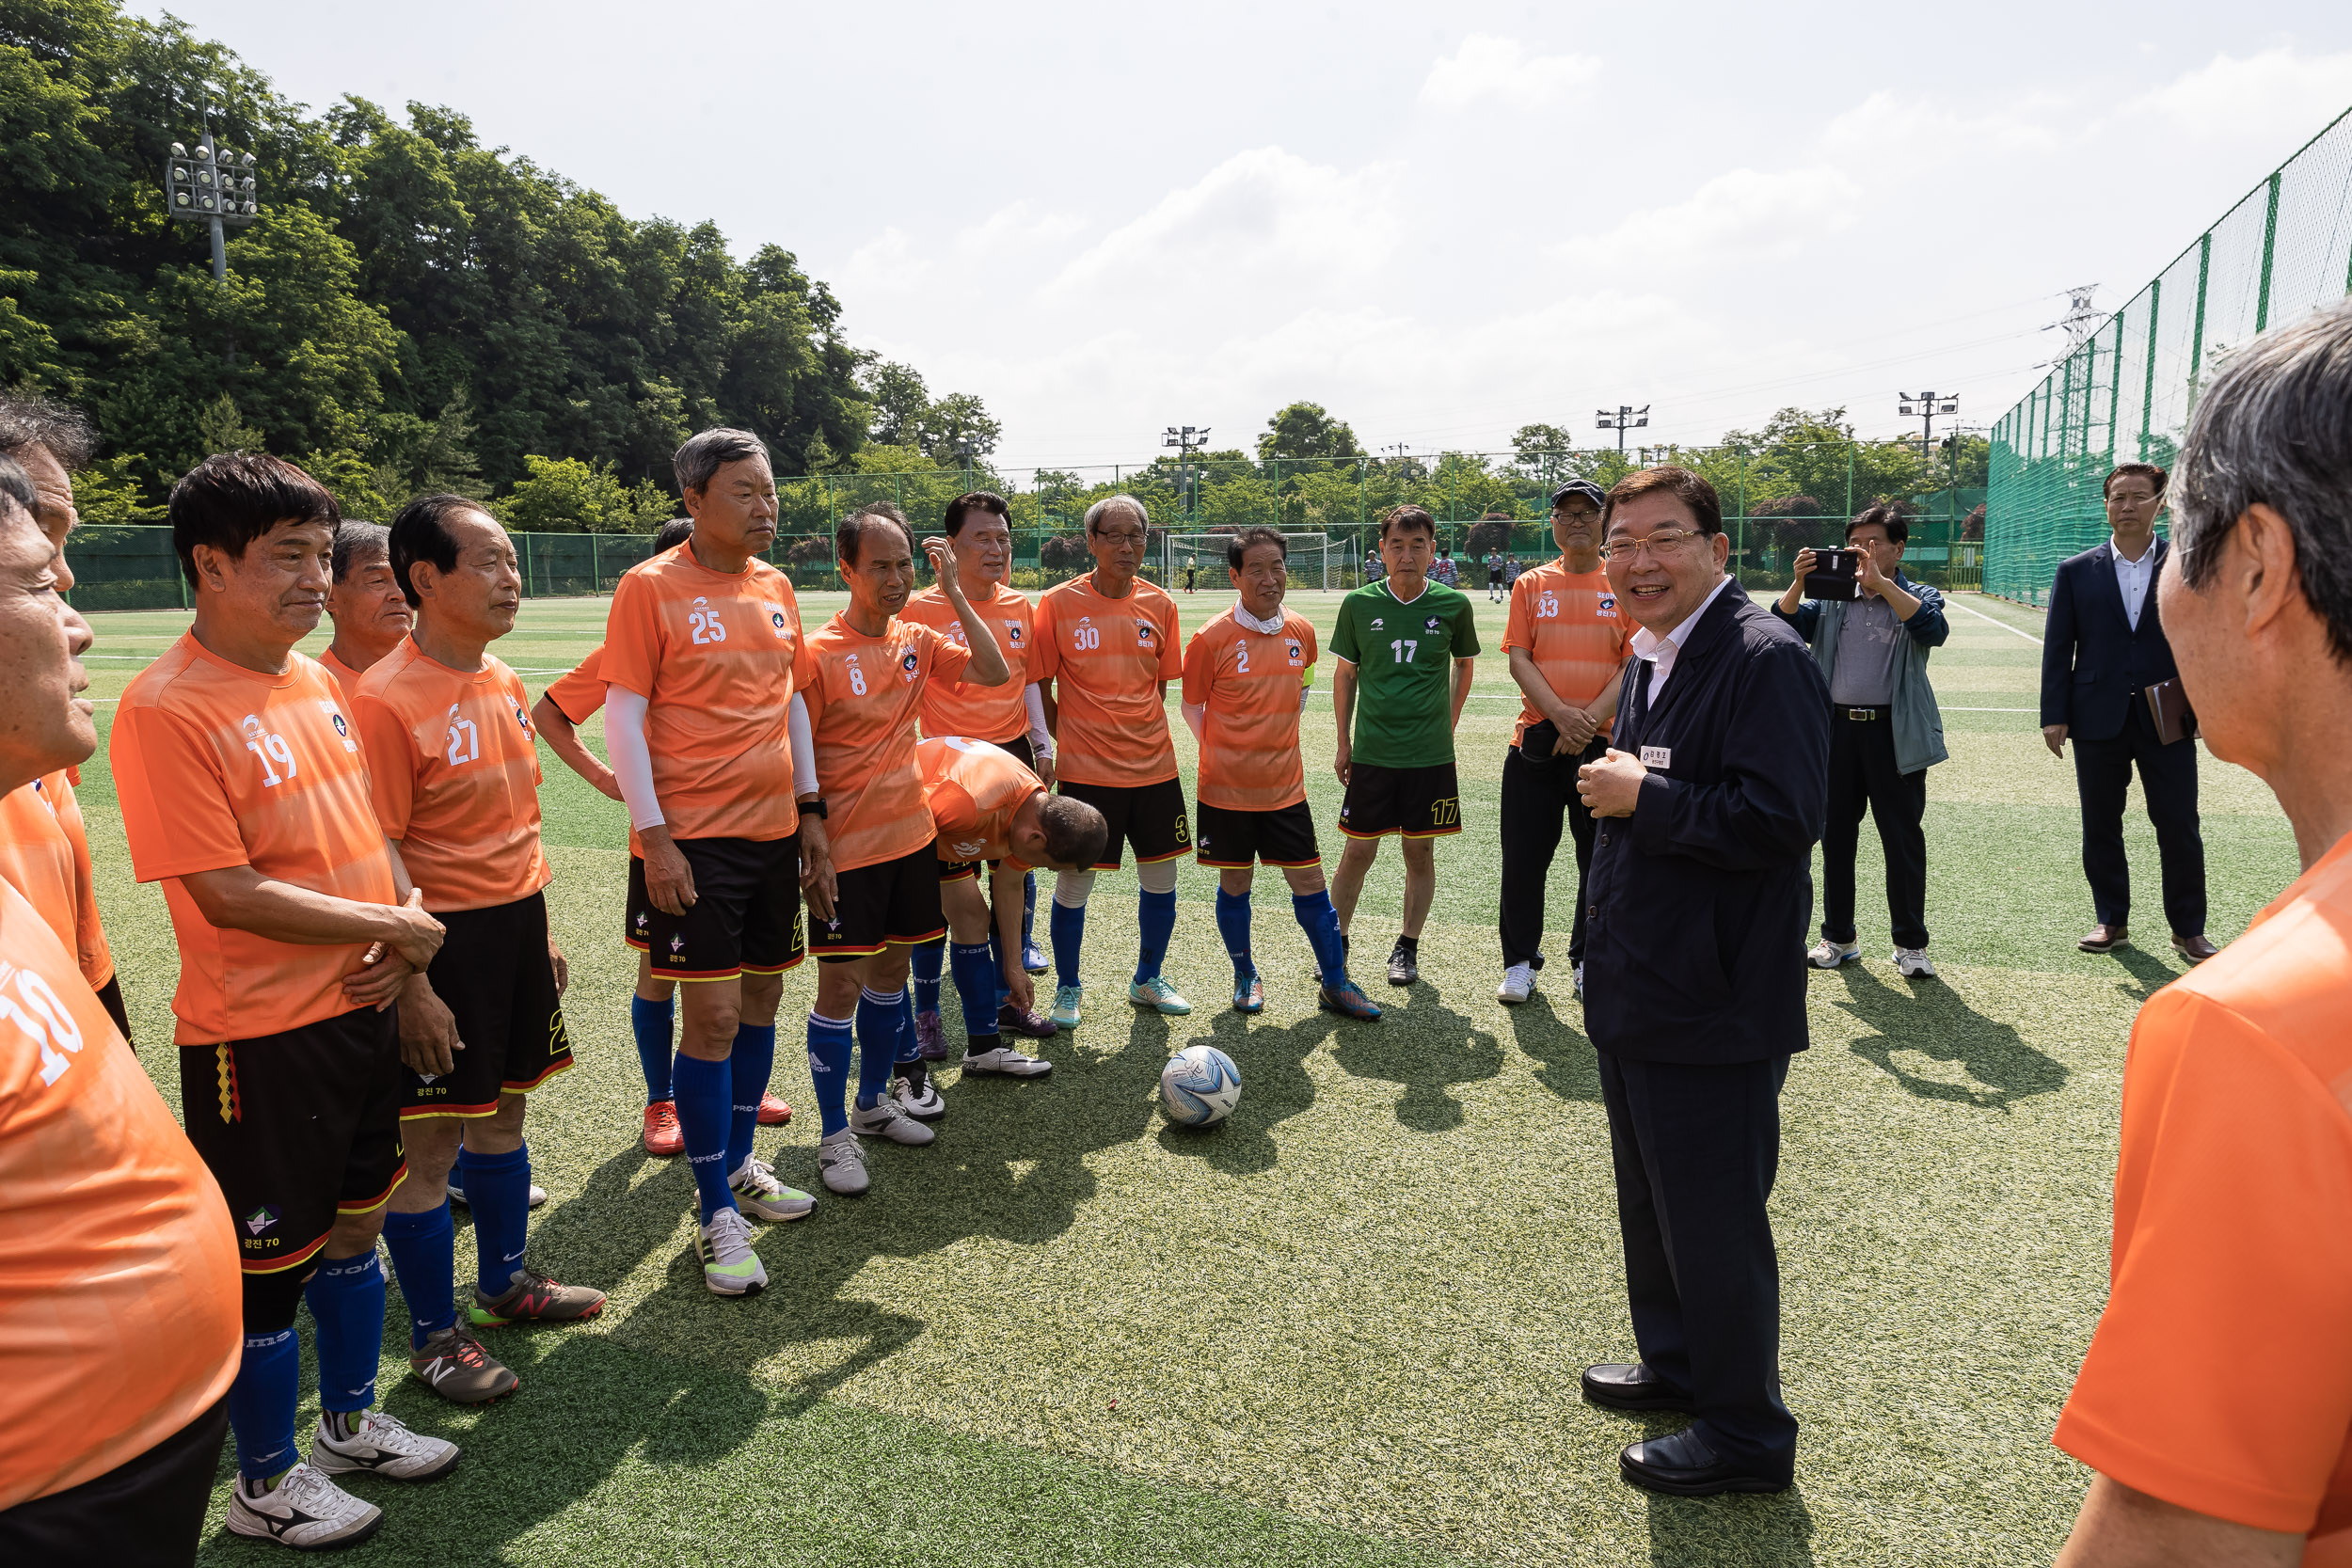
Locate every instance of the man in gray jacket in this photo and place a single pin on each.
(1885, 731)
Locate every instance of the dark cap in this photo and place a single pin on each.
(1584, 487)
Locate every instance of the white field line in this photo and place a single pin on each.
(1995, 620)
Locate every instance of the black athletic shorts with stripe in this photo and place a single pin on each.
(1418, 803)
(891, 903)
(494, 974)
(746, 917)
(1227, 838)
(1149, 817)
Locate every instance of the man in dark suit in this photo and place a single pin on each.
(2103, 648)
(1710, 799)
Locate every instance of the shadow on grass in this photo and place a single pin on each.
(1274, 1087)
(2149, 972)
(1569, 1068)
(1768, 1530)
(1930, 1018)
(1425, 1046)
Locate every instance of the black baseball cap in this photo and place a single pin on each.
(1584, 487)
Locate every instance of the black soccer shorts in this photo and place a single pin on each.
(494, 975)
(1150, 817)
(1229, 838)
(746, 917)
(1418, 803)
(891, 903)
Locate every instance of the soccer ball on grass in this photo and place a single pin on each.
(1199, 1086)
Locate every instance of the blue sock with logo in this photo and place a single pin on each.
(1028, 909)
(977, 973)
(879, 1016)
(1066, 929)
(929, 960)
(705, 1100)
(650, 1022)
(498, 1190)
(1322, 924)
(1156, 913)
(347, 1298)
(830, 1043)
(1232, 923)
(261, 1403)
(753, 1059)
(995, 965)
(424, 1259)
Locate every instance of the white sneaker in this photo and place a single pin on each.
(1829, 955)
(382, 1447)
(759, 1193)
(1518, 982)
(889, 1119)
(730, 1267)
(922, 1105)
(1578, 973)
(1913, 963)
(1007, 1061)
(538, 1195)
(305, 1510)
(841, 1162)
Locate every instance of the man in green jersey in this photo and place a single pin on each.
(1394, 640)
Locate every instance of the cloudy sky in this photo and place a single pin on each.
(1440, 222)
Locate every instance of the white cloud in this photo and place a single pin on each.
(1739, 216)
(888, 263)
(1021, 226)
(2273, 95)
(1487, 68)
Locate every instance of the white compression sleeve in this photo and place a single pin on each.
(632, 763)
(1159, 876)
(1040, 738)
(804, 748)
(1070, 888)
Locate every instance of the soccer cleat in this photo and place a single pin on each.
(887, 1118)
(663, 1137)
(773, 1112)
(1829, 955)
(1035, 1027)
(922, 1105)
(1158, 995)
(930, 1038)
(730, 1267)
(1065, 1014)
(383, 1447)
(759, 1193)
(1033, 957)
(1248, 994)
(1913, 963)
(1518, 983)
(455, 1365)
(538, 1194)
(841, 1161)
(1348, 998)
(1404, 964)
(533, 1298)
(1005, 1062)
(305, 1510)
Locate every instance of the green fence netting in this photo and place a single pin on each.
(2126, 392)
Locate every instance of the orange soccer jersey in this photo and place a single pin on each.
(44, 854)
(119, 1291)
(1249, 681)
(346, 678)
(979, 712)
(717, 657)
(1108, 658)
(863, 694)
(219, 765)
(579, 691)
(453, 770)
(1569, 622)
(973, 790)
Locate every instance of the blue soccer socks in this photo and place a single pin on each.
(650, 1022)
(1232, 923)
(929, 960)
(830, 1044)
(1066, 929)
(424, 1259)
(498, 1190)
(1322, 924)
(261, 1403)
(1156, 913)
(879, 1016)
(975, 968)
(706, 1114)
(346, 1297)
(752, 1057)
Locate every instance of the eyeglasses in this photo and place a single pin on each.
(1114, 537)
(1661, 543)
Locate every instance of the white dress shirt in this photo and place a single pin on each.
(2133, 578)
(1662, 651)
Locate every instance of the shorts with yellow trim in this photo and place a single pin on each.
(746, 917)
(1418, 803)
(494, 974)
(1231, 839)
(890, 903)
(298, 1127)
(1151, 818)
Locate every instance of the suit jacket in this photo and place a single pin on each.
(2094, 663)
(1699, 904)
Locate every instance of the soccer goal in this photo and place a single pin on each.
(1316, 560)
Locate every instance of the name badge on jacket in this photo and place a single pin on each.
(1658, 756)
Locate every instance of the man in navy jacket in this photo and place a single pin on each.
(1710, 799)
(2103, 648)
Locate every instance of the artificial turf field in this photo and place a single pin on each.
(1345, 1327)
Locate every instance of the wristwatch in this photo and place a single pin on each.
(816, 807)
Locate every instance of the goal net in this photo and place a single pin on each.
(1316, 561)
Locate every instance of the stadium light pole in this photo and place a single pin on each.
(1625, 418)
(1187, 439)
(1925, 407)
(212, 187)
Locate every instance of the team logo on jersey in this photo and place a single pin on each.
(1143, 634)
(1430, 625)
(969, 849)
(340, 728)
(1298, 655)
(1608, 603)
(520, 717)
(775, 619)
(910, 661)
(261, 1219)
(1377, 623)
(1012, 633)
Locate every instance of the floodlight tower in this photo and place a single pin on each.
(211, 187)
(1625, 418)
(1925, 407)
(1186, 440)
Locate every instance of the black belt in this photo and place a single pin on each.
(1860, 715)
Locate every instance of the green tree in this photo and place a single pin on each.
(1306, 431)
(563, 495)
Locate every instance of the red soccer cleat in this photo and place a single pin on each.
(663, 1136)
(773, 1112)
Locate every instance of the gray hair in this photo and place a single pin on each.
(1110, 503)
(15, 485)
(709, 451)
(358, 545)
(2275, 427)
(64, 432)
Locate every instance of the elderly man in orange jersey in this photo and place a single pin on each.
(365, 603)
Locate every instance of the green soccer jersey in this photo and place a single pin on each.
(1404, 653)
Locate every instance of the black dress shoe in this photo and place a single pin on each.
(1683, 1466)
(1634, 1387)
